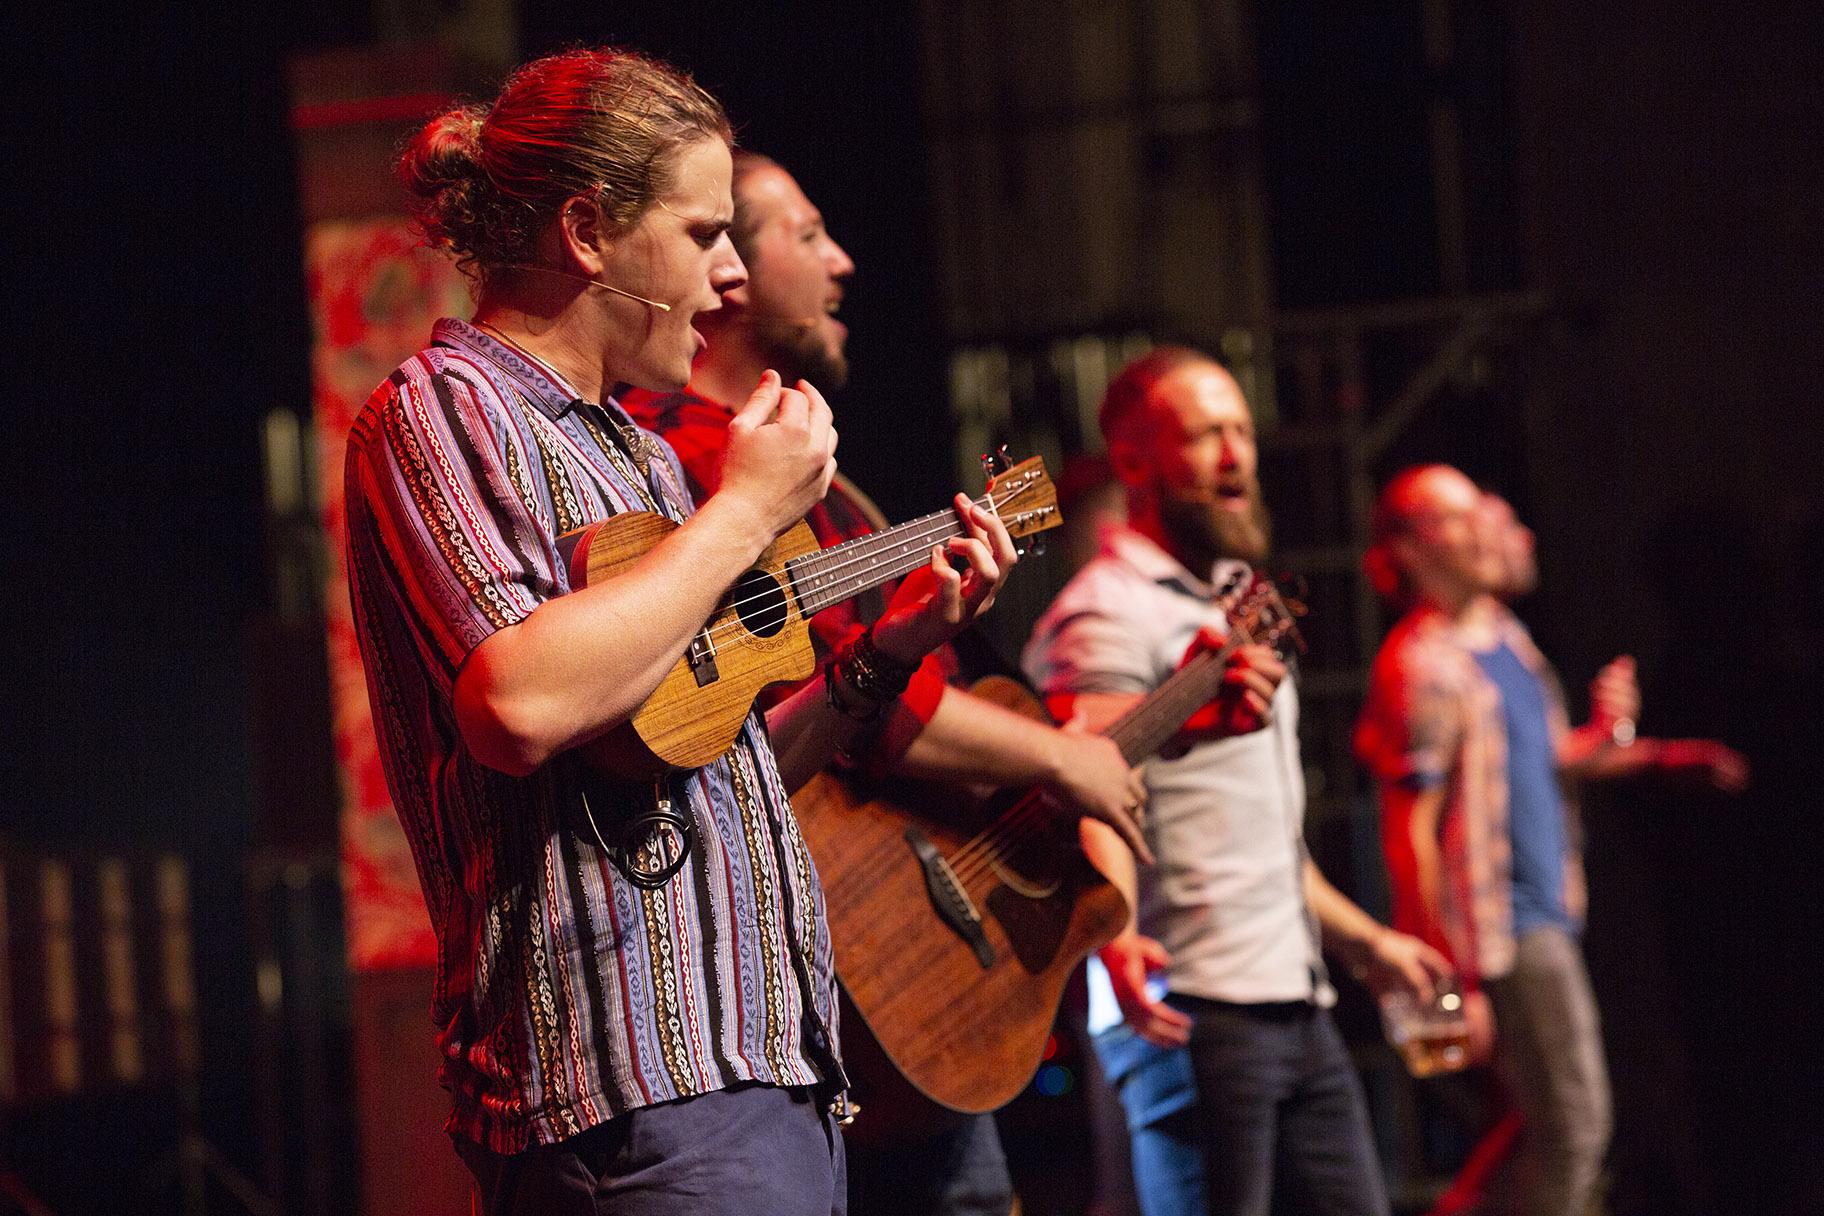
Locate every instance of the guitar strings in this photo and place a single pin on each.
(992, 845)
(781, 612)
(986, 848)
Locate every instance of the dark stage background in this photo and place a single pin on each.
(1655, 169)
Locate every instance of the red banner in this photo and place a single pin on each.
(374, 292)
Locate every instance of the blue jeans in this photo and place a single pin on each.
(732, 1152)
(1262, 1112)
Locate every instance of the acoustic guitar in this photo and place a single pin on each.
(759, 633)
(958, 919)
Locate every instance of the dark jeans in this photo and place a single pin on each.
(1261, 1113)
(961, 1172)
(746, 1151)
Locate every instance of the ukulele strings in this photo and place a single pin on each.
(781, 610)
(942, 525)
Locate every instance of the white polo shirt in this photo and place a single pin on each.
(1226, 819)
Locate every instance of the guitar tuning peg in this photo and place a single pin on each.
(995, 462)
(1037, 547)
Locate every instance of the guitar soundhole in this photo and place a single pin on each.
(759, 601)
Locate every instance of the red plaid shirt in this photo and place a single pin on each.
(1433, 718)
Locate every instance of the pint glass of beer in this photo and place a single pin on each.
(1432, 1037)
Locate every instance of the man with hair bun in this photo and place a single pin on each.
(612, 1042)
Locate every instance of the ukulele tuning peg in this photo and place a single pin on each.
(995, 462)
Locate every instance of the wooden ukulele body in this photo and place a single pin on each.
(758, 636)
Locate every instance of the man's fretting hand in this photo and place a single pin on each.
(937, 601)
(1245, 701)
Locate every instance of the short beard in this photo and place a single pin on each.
(1207, 534)
(797, 353)
(1519, 580)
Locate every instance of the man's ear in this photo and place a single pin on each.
(1128, 460)
(1408, 553)
(583, 230)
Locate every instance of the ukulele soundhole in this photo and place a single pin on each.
(760, 603)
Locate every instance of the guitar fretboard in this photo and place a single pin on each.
(1144, 729)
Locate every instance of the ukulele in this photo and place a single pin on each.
(759, 633)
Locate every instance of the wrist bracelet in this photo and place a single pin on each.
(841, 706)
(872, 673)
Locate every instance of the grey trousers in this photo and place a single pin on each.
(1548, 1049)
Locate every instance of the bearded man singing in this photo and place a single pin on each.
(1236, 1083)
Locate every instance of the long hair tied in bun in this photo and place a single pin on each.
(604, 122)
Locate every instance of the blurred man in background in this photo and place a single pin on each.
(1466, 730)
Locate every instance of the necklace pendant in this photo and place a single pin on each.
(641, 447)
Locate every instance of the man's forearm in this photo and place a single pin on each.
(1591, 753)
(970, 740)
(1415, 862)
(582, 663)
(1348, 931)
(806, 732)
(1109, 854)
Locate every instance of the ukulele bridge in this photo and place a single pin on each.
(701, 656)
(947, 895)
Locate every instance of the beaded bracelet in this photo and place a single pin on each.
(873, 674)
(840, 705)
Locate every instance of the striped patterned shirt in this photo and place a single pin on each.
(564, 994)
(1433, 718)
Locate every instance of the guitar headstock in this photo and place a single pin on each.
(1024, 497)
(1265, 614)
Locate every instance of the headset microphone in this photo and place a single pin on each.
(617, 291)
(565, 274)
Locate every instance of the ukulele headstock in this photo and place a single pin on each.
(1022, 495)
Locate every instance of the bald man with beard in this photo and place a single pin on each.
(1210, 1012)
